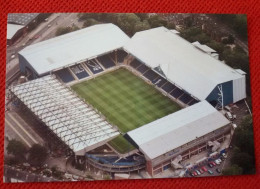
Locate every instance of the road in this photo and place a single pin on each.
(44, 31)
(12, 174)
(17, 128)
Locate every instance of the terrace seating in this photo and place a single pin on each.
(106, 61)
(94, 66)
(65, 75)
(143, 68)
(121, 55)
(135, 63)
(176, 93)
(168, 87)
(79, 71)
(151, 75)
(193, 102)
(112, 55)
(160, 81)
(185, 98)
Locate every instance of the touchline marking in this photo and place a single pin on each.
(10, 125)
(22, 128)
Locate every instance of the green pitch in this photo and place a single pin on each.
(126, 101)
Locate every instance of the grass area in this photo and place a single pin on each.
(126, 101)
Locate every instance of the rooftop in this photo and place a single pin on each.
(74, 47)
(170, 132)
(182, 63)
(70, 118)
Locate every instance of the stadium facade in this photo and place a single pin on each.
(182, 134)
(177, 68)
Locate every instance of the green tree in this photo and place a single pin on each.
(156, 21)
(62, 31)
(90, 22)
(233, 170)
(16, 148)
(127, 22)
(140, 26)
(37, 155)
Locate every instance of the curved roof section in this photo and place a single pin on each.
(188, 67)
(170, 132)
(12, 29)
(74, 47)
(70, 118)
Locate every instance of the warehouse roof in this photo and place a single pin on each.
(12, 29)
(21, 18)
(188, 67)
(74, 47)
(170, 132)
(70, 118)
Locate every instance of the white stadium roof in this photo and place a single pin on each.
(12, 29)
(74, 47)
(182, 63)
(170, 132)
(70, 118)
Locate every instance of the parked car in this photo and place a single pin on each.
(224, 155)
(204, 169)
(229, 116)
(213, 163)
(218, 161)
(201, 171)
(210, 172)
(198, 172)
(210, 164)
(194, 173)
(218, 170)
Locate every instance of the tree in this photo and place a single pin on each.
(127, 22)
(37, 155)
(62, 31)
(233, 170)
(16, 148)
(90, 22)
(140, 26)
(156, 21)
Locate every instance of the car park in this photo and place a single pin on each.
(210, 172)
(210, 164)
(218, 161)
(204, 169)
(194, 173)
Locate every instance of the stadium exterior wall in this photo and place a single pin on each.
(24, 64)
(161, 163)
(239, 89)
(227, 89)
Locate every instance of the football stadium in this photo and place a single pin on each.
(154, 100)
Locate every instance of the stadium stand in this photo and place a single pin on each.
(79, 71)
(94, 66)
(113, 56)
(168, 87)
(65, 75)
(160, 81)
(121, 55)
(135, 63)
(106, 61)
(151, 75)
(185, 98)
(193, 102)
(143, 68)
(176, 93)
